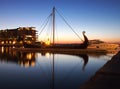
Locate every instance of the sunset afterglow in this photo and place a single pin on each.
(99, 18)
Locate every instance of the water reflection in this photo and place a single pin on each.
(28, 59)
(85, 59)
(83, 56)
(46, 70)
(25, 59)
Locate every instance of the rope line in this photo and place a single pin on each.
(68, 24)
(48, 18)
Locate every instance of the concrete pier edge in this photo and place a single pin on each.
(108, 77)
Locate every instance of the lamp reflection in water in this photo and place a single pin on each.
(24, 59)
(28, 59)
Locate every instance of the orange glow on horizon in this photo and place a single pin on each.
(111, 40)
(71, 39)
(68, 42)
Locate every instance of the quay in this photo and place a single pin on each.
(68, 51)
(108, 77)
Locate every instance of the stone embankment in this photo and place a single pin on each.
(70, 51)
(108, 77)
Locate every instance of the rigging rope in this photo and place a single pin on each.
(45, 23)
(48, 19)
(68, 24)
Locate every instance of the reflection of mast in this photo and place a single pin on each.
(53, 71)
(52, 85)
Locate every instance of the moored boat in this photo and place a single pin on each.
(83, 45)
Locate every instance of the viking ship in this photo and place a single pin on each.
(82, 45)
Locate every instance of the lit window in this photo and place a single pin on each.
(2, 42)
(6, 42)
(14, 42)
(10, 42)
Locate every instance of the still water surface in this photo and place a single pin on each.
(36, 70)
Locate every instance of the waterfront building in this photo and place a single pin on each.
(103, 45)
(106, 46)
(95, 41)
(17, 36)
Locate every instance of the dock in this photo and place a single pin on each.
(63, 50)
(108, 77)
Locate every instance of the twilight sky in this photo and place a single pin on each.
(99, 18)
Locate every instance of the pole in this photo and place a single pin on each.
(53, 26)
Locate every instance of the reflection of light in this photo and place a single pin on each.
(21, 63)
(47, 55)
(32, 63)
(27, 64)
(7, 50)
(29, 56)
(2, 49)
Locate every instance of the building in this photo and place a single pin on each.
(95, 41)
(105, 46)
(9, 37)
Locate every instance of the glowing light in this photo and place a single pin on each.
(2, 49)
(47, 42)
(6, 41)
(28, 36)
(14, 42)
(29, 56)
(47, 55)
(2, 42)
(26, 64)
(21, 63)
(32, 63)
(10, 42)
(29, 42)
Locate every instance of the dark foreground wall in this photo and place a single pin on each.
(108, 77)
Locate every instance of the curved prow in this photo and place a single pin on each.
(86, 41)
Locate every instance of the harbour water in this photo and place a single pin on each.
(37, 70)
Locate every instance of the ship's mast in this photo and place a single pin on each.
(53, 21)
